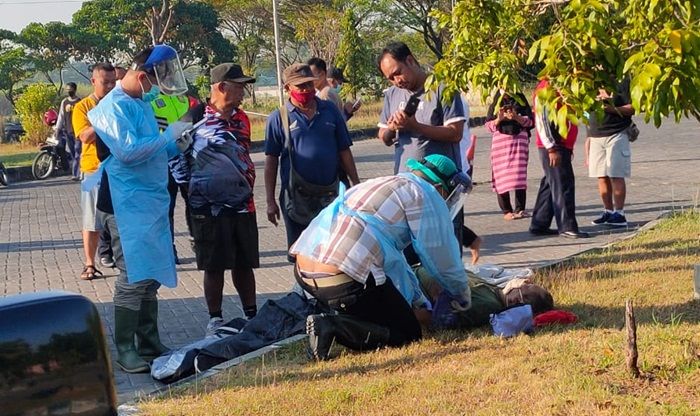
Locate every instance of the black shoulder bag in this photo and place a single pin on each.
(303, 200)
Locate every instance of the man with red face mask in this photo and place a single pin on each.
(319, 144)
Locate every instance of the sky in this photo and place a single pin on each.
(16, 14)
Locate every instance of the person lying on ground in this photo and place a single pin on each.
(486, 299)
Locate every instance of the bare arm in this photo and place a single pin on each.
(273, 210)
(624, 110)
(87, 135)
(451, 133)
(347, 162)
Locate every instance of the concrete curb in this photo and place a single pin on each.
(20, 174)
(648, 226)
(130, 408)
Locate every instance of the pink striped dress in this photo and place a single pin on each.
(509, 157)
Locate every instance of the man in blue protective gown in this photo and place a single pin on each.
(350, 257)
(137, 178)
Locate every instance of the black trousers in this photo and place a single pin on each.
(183, 188)
(504, 201)
(104, 246)
(556, 197)
(382, 305)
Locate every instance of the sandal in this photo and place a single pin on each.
(90, 272)
(509, 216)
(520, 214)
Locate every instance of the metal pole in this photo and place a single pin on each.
(275, 18)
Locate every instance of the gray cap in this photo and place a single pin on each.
(229, 72)
(297, 74)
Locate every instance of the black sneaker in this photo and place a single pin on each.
(603, 219)
(543, 231)
(107, 262)
(574, 234)
(616, 220)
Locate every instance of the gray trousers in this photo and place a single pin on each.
(126, 295)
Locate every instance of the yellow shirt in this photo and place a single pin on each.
(88, 157)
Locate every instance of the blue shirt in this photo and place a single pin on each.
(316, 143)
(431, 111)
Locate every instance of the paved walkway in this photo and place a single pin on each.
(41, 249)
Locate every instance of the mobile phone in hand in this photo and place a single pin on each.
(356, 104)
(412, 106)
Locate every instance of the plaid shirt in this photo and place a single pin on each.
(397, 202)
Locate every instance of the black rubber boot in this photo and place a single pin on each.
(125, 323)
(348, 331)
(147, 334)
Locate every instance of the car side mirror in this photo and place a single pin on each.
(53, 356)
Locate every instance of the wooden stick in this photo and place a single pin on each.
(632, 353)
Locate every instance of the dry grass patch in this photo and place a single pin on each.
(572, 370)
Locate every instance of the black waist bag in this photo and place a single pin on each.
(303, 200)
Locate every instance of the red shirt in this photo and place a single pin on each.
(570, 139)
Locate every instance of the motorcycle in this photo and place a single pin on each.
(49, 160)
(51, 157)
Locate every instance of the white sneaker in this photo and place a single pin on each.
(214, 324)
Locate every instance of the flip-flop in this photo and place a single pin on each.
(520, 214)
(90, 272)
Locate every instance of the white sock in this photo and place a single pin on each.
(620, 211)
(607, 211)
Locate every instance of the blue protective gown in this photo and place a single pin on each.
(442, 260)
(138, 178)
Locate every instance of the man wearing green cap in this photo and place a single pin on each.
(350, 257)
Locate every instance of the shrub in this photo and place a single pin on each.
(31, 106)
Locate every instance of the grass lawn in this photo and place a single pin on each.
(15, 154)
(563, 370)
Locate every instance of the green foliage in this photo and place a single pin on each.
(582, 47)
(13, 67)
(31, 106)
(115, 30)
(203, 86)
(48, 46)
(354, 57)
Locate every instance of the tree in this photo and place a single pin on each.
(248, 23)
(354, 57)
(31, 106)
(13, 65)
(589, 46)
(420, 16)
(118, 29)
(49, 47)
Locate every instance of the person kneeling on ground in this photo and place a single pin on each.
(350, 258)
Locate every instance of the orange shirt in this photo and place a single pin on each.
(88, 157)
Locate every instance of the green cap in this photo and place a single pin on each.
(438, 168)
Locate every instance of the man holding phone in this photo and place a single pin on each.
(415, 123)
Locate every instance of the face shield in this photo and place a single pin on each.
(164, 63)
(461, 184)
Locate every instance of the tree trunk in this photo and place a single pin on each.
(632, 353)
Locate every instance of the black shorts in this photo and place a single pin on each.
(226, 242)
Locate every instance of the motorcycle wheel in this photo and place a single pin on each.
(43, 165)
(4, 181)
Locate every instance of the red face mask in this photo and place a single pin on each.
(302, 97)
